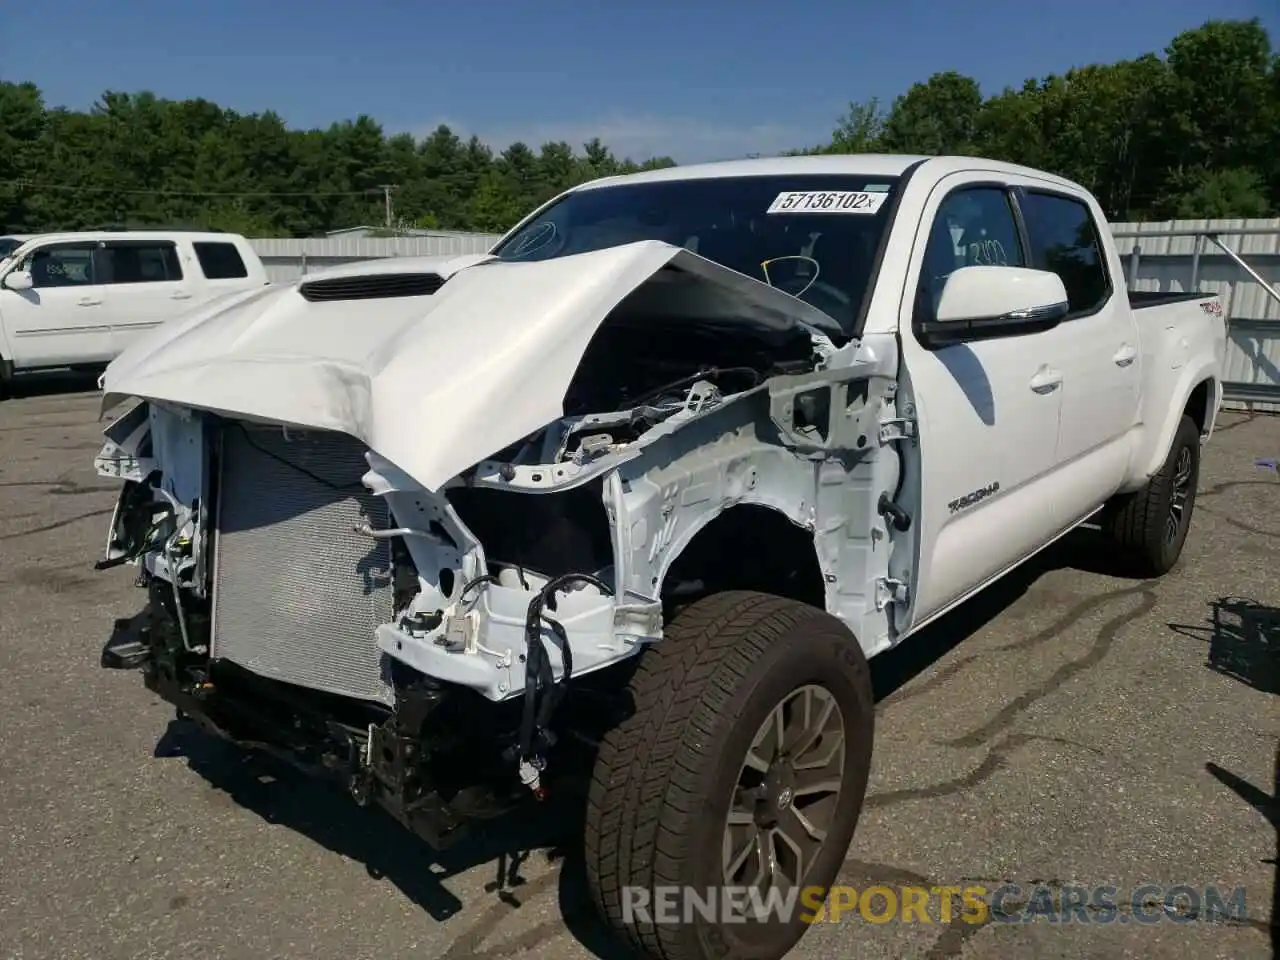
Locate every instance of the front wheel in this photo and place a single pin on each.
(721, 810)
(1149, 527)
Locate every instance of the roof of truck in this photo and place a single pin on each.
(90, 235)
(859, 164)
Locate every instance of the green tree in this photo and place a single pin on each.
(1221, 95)
(938, 116)
(860, 130)
(22, 121)
(1237, 192)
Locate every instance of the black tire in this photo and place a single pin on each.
(1140, 525)
(664, 779)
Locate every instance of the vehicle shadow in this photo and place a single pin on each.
(281, 795)
(1078, 550)
(546, 831)
(53, 383)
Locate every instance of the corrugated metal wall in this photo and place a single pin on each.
(288, 259)
(1167, 257)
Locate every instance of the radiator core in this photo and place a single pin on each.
(296, 592)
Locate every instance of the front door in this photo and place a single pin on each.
(986, 411)
(62, 318)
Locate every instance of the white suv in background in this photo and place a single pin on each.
(78, 299)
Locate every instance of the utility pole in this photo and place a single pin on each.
(386, 199)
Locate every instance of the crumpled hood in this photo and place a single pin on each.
(432, 383)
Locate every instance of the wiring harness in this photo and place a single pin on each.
(542, 693)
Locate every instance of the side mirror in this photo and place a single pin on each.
(18, 280)
(979, 303)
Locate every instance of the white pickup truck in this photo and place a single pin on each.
(636, 495)
(79, 299)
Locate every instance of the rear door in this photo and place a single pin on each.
(1098, 347)
(146, 283)
(63, 318)
(987, 411)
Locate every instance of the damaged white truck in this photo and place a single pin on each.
(635, 496)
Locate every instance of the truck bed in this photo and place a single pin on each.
(1141, 299)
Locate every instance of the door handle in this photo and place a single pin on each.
(181, 295)
(1046, 380)
(1125, 355)
(89, 302)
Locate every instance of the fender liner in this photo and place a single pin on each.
(706, 524)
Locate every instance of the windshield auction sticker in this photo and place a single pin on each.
(827, 201)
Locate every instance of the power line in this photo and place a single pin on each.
(72, 188)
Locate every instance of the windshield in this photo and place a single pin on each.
(8, 245)
(814, 237)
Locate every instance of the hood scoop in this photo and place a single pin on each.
(371, 287)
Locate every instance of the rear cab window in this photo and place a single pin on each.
(220, 261)
(1064, 239)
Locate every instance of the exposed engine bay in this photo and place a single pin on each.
(638, 371)
(309, 596)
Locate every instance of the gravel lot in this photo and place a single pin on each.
(1066, 728)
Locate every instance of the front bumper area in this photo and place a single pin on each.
(307, 599)
(403, 759)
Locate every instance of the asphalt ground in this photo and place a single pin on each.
(1068, 729)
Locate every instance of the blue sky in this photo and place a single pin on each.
(696, 80)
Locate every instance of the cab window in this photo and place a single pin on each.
(220, 261)
(974, 226)
(138, 262)
(1064, 239)
(61, 266)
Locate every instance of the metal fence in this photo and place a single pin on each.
(1237, 259)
